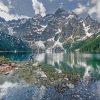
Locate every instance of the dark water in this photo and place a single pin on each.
(19, 85)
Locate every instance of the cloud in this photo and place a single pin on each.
(5, 13)
(10, 4)
(91, 8)
(39, 7)
(95, 9)
(80, 9)
(3, 7)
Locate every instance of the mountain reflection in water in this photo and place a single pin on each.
(19, 85)
(89, 63)
(24, 91)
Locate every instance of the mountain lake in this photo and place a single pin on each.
(59, 76)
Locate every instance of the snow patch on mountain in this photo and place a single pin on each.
(57, 43)
(86, 29)
(40, 30)
(70, 16)
(40, 44)
(10, 30)
(51, 39)
(44, 26)
(59, 31)
(71, 38)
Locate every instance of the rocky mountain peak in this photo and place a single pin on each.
(61, 12)
(90, 20)
(92, 24)
(2, 19)
(88, 17)
(38, 17)
(61, 25)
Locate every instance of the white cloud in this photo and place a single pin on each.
(39, 7)
(10, 4)
(92, 7)
(92, 10)
(95, 9)
(5, 13)
(80, 9)
(3, 8)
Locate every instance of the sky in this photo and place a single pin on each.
(10, 9)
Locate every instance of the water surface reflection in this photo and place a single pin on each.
(21, 84)
(89, 63)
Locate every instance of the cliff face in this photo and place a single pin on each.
(54, 28)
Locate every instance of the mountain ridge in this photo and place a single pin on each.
(54, 28)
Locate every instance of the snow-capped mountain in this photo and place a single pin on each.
(62, 23)
(52, 29)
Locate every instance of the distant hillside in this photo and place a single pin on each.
(51, 31)
(92, 44)
(11, 43)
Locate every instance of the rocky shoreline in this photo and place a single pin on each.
(57, 84)
(6, 68)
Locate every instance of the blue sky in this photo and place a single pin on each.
(23, 8)
(80, 7)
